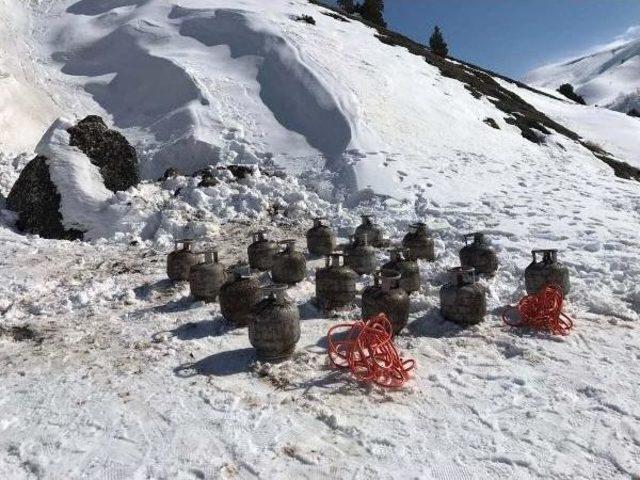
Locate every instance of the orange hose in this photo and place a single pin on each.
(369, 353)
(542, 311)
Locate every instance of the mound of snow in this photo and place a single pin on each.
(81, 187)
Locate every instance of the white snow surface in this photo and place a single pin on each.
(129, 378)
(83, 195)
(26, 106)
(218, 81)
(615, 132)
(609, 77)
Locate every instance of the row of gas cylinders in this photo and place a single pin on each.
(273, 319)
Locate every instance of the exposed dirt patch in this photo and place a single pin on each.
(22, 333)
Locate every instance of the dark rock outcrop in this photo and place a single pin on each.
(108, 150)
(36, 200)
(34, 196)
(240, 171)
(492, 123)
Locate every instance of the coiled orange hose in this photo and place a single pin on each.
(369, 353)
(542, 311)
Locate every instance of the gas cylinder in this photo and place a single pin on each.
(320, 238)
(408, 269)
(239, 295)
(289, 265)
(386, 296)
(547, 271)
(206, 278)
(360, 256)
(180, 261)
(261, 252)
(274, 326)
(419, 243)
(373, 232)
(335, 284)
(479, 255)
(463, 300)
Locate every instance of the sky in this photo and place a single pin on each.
(514, 36)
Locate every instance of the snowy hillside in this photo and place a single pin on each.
(243, 82)
(107, 370)
(609, 78)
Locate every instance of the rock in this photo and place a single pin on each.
(208, 182)
(241, 171)
(36, 200)
(207, 177)
(108, 150)
(170, 173)
(273, 172)
(491, 122)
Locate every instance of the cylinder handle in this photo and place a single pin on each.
(462, 275)
(276, 291)
(549, 255)
(187, 244)
(333, 259)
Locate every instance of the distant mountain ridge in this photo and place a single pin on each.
(608, 78)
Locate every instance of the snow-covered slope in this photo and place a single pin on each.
(241, 81)
(127, 377)
(615, 132)
(609, 78)
(26, 106)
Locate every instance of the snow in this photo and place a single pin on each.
(78, 182)
(248, 84)
(608, 77)
(25, 108)
(615, 132)
(128, 378)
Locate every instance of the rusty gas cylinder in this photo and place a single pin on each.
(335, 284)
(206, 278)
(372, 231)
(419, 243)
(547, 271)
(274, 326)
(386, 296)
(360, 256)
(408, 269)
(289, 265)
(320, 238)
(479, 255)
(180, 261)
(463, 300)
(262, 251)
(239, 295)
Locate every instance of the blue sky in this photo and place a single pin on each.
(514, 36)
